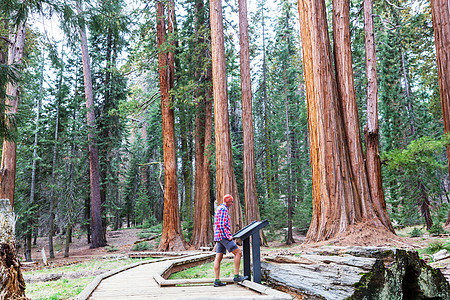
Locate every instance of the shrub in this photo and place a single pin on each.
(416, 232)
(145, 234)
(111, 248)
(436, 229)
(141, 246)
(436, 246)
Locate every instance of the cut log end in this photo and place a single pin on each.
(357, 274)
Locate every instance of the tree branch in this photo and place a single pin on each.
(5, 39)
(386, 22)
(393, 5)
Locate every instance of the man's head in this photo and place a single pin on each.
(228, 200)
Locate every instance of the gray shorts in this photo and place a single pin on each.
(224, 245)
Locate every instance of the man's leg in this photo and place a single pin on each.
(237, 260)
(217, 261)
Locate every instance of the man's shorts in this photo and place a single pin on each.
(224, 245)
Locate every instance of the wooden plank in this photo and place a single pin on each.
(139, 283)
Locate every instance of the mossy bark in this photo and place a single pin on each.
(407, 277)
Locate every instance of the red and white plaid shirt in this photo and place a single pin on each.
(222, 224)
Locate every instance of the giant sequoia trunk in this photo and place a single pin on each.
(202, 229)
(172, 237)
(373, 163)
(348, 104)
(251, 200)
(226, 181)
(8, 163)
(440, 12)
(336, 199)
(96, 206)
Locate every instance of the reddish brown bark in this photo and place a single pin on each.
(225, 179)
(8, 163)
(440, 12)
(335, 193)
(97, 239)
(172, 237)
(347, 97)
(250, 197)
(373, 163)
(202, 229)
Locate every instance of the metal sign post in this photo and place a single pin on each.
(244, 234)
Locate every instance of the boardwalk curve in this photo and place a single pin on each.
(147, 280)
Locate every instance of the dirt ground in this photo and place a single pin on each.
(80, 250)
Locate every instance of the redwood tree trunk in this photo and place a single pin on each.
(97, 239)
(225, 179)
(440, 12)
(172, 237)
(335, 195)
(250, 197)
(347, 97)
(373, 163)
(202, 229)
(8, 164)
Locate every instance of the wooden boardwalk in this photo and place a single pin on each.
(139, 283)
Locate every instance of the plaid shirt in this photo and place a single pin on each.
(222, 224)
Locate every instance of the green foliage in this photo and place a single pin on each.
(436, 229)
(416, 232)
(436, 246)
(144, 234)
(111, 248)
(141, 246)
(413, 178)
(187, 229)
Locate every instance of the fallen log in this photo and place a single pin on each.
(356, 273)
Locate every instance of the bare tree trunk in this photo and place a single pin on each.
(373, 163)
(347, 97)
(440, 12)
(51, 232)
(225, 179)
(250, 197)
(33, 167)
(71, 191)
(290, 209)
(334, 187)
(172, 237)
(409, 107)
(267, 155)
(8, 163)
(202, 230)
(96, 206)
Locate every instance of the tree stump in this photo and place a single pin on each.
(356, 273)
(12, 282)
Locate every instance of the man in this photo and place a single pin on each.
(224, 239)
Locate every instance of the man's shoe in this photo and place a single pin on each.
(238, 278)
(219, 283)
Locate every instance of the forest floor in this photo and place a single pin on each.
(120, 243)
